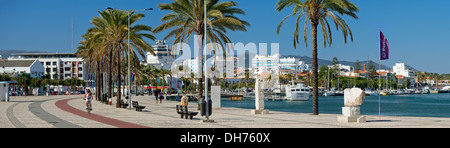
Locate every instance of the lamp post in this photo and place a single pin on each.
(128, 51)
(206, 66)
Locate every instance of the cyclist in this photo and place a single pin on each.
(88, 98)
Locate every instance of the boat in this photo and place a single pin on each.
(371, 93)
(331, 92)
(382, 93)
(339, 93)
(297, 92)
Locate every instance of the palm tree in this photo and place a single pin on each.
(318, 12)
(108, 40)
(187, 18)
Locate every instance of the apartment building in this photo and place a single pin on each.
(61, 65)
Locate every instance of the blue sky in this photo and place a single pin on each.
(417, 31)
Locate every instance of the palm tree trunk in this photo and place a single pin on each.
(119, 80)
(314, 69)
(98, 81)
(200, 68)
(110, 74)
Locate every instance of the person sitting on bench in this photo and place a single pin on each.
(184, 100)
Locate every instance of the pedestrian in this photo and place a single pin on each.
(156, 93)
(161, 97)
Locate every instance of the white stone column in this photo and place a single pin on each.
(259, 98)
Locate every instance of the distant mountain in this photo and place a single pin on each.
(308, 60)
(6, 53)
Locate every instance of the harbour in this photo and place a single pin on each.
(414, 105)
(219, 64)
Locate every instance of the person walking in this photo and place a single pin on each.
(156, 93)
(161, 97)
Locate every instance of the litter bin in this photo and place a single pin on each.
(202, 107)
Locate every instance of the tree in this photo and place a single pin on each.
(187, 18)
(47, 75)
(323, 75)
(372, 71)
(357, 65)
(317, 12)
(35, 82)
(336, 67)
(24, 80)
(107, 40)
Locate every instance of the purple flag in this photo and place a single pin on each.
(384, 47)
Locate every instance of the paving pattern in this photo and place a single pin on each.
(69, 112)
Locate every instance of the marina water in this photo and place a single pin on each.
(418, 105)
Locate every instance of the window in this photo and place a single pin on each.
(54, 63)
(47, 63)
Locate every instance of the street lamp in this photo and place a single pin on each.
(128, 51)
(206, 66)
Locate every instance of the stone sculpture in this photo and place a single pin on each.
(353, 99)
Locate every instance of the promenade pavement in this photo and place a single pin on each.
(69, 112)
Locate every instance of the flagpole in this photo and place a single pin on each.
(379, 76)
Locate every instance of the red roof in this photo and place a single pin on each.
(400, 76)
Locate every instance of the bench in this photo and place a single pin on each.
(137, 106)
(184, 112)
(122, 104)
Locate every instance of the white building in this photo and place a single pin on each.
(261, 63)
(32, 67)
(289, 65)
(403, 69)
(286, 65)
(64, 65)
(192, 64)
(344, 70)
(163, 56)
(303, 67)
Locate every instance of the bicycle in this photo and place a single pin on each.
(88, 106)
